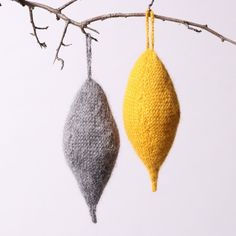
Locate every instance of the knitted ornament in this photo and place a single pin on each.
(151, 109)
(91, 139)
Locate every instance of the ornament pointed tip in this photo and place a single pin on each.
(154, 186)
(93, 214)
(154, 177)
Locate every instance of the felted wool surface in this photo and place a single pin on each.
(151, 111)
(91, 142)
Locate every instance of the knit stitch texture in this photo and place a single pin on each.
(151, 111)
(91, 142)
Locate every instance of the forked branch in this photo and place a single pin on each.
(62, 44)
(85, 25)
(35, 28)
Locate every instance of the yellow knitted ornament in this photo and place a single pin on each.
(151, 108)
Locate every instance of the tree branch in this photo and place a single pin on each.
(35, 28)
(189, 24)
(63, 7)
(62, 44)
(66, 5)
(83, 25)
(21, 2)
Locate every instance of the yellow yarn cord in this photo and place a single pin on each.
(150, 14)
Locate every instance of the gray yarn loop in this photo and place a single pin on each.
(89, 54)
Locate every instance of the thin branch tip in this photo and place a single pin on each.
(66, 5)
(35, 28)
(57, 58)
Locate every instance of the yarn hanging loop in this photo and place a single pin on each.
(89, 55)
(150, 20)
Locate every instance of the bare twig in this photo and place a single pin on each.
(83, 25)
(150, 5)
(163, 18)
(59, 9)
(35, 28)
(22, 2)
(192, 28)
(62, 44)
(66, 5)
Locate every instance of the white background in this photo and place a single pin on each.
(196, 192)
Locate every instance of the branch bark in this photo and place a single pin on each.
(35, 28)
(85, 25)
(62, 44)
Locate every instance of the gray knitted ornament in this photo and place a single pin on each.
(91, 139)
